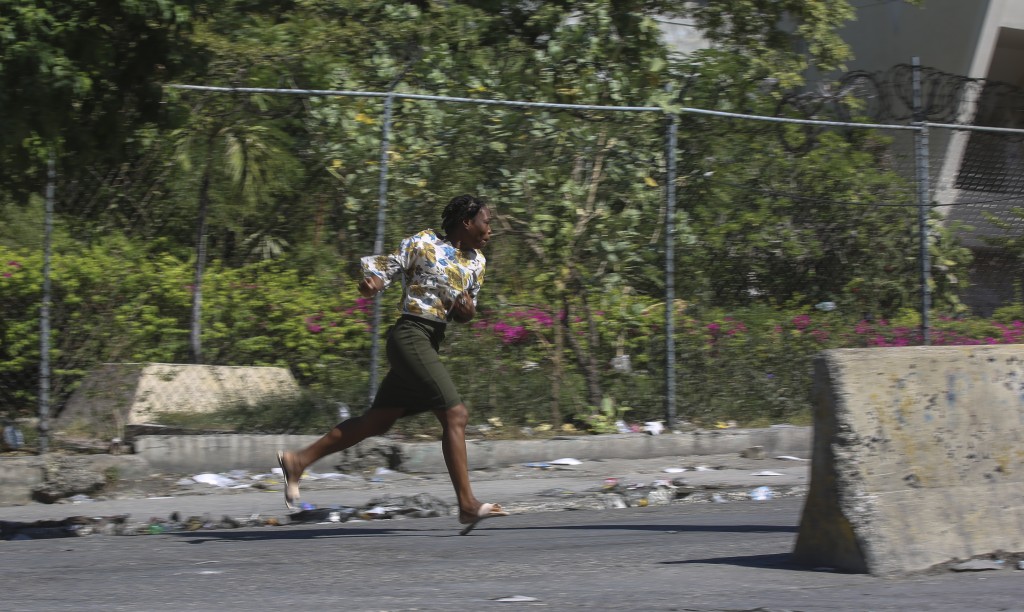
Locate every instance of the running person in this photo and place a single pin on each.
(440, 276)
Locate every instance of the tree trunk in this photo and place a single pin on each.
(584, 359)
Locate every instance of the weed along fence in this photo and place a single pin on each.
(652, 263)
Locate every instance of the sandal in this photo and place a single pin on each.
(291, 489)
(485, 511)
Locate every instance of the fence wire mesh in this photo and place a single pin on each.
(790, 236)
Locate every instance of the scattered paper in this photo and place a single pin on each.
(515, 598)
(791, 458)
(674, 470)
(566, 461)
(216, 480)
(333, 476)
(766, 473)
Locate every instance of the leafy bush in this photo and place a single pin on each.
(116, 303)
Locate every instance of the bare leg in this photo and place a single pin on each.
(453, 446)
(344, 435)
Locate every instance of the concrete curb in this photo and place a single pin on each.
(224, 452)
(427, 458)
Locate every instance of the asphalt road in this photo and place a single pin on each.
(732, 556)
(681, 556)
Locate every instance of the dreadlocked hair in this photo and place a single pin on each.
(460, 208)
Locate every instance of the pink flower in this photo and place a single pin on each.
(801, 321)
(14, 264)
(713, 327)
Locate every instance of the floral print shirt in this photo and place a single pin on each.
(432, 271)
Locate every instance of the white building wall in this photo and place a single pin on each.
(943, 33)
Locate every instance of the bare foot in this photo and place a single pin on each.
(470, 519)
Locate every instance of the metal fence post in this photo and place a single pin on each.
(44, 311)
(923, 200)
(378, 244)
(670, 271)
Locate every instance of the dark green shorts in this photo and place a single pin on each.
(417, 381)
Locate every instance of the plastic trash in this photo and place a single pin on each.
(622, 363)
(766, 473)
(13, 438)
(654, 427)
(762, 494)
(660, 496)
(614, 501)
(343, 411)
(566, 461)
(216, 480)
(674, 470)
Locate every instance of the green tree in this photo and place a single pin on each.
(83, 76)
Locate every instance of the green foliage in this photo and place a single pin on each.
(83, 75)
(112, 302)
(605, 420)
(283, 193)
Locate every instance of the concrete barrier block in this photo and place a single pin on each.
(114, 396)
(918, 458)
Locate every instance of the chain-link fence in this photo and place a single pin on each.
(648, 263)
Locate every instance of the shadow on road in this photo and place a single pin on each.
(201, 537)
(662, 527)
(362, 531)
(781, 561)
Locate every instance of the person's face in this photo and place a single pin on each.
(478, 230)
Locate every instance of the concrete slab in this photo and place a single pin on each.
(114, 396)
(918, 457)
